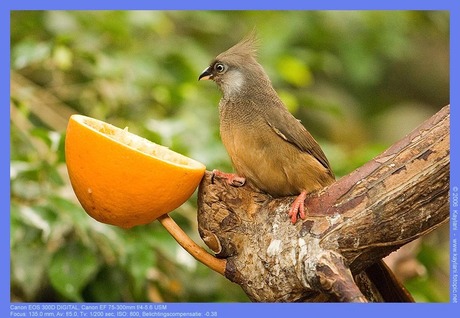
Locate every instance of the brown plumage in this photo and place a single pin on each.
(267, 145)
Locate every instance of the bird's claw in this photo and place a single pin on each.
(232, 179)
(298, 208)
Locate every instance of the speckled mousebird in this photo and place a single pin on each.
(267, 145)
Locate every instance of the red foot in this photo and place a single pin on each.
(298, 208)
(232, 179)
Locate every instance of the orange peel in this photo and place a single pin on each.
(123, 179)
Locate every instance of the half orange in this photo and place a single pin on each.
(123, 179)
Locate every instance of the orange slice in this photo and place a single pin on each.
(123, 179)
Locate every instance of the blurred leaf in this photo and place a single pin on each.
(139, 259)
(294, 71)
(109, 285)
(36, 217)
(28, 52)
(71, 268)
(29, 263)
(62, 57)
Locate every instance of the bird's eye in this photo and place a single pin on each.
(219, 67)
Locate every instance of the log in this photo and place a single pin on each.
(397, 197)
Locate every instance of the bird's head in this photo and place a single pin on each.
(236, 71)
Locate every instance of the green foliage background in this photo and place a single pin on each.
(358, 80)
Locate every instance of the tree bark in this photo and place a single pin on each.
(351, 225)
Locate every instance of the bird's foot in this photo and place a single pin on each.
(232, 179)
(298, 208)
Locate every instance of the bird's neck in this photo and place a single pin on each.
(251, 101)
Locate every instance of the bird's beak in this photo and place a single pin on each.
(206, 75)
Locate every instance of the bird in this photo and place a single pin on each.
(269, 148)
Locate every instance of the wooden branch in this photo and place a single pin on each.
(395, 198)
(190, 246)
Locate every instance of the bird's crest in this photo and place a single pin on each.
(247, 46)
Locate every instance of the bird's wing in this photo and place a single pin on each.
(290, 129)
